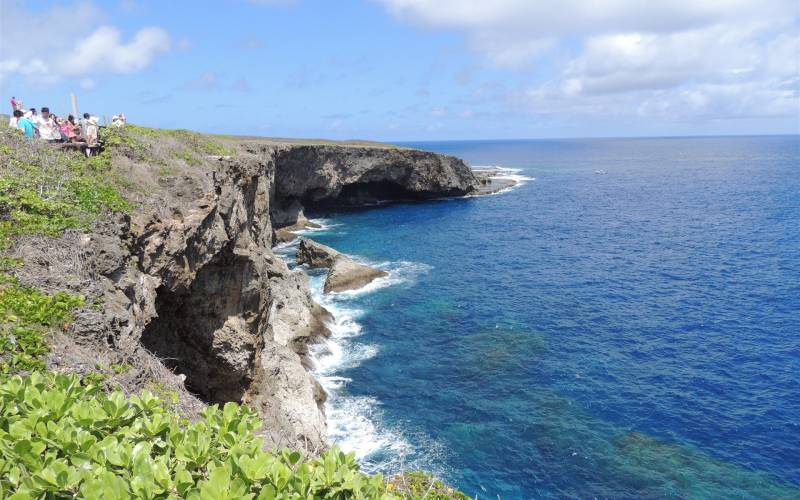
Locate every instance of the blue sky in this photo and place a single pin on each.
(414, 69)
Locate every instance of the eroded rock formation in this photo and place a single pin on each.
(196, 284)
(338, 176)
(315, 254)
(347, 274)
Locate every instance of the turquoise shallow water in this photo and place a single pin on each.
(628, 335)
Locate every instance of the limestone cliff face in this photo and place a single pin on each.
(325, 176)
(199, 287)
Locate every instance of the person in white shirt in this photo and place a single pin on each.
(48, 129)
(13, 121)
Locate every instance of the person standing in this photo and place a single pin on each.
(13, 103)
(83, 122)
(48, 130)
(92, 139)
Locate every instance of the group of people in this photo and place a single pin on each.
(48, 127)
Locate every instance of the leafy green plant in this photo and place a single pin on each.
(120, 368)
(26, 314)
(7, 263)
(61, 436)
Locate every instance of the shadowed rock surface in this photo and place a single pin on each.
(315, 254)
(346, 176)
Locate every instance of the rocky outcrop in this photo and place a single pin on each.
(338, 175)
(347, 274)
(288, 397)
(199, 287)
(192, 280)
(287, 218)
(315, 254)
(493, 180)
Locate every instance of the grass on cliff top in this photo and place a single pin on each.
(44, 190)
(161, 145)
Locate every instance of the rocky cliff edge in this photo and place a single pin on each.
(186, 289)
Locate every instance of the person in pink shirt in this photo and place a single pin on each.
(13, 103)
(67, 131)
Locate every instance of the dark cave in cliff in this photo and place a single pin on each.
(361, 194)
(191, 336)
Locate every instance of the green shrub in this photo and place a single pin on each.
(45, 191)
(418, 485)
(26, 315)
(62, 437)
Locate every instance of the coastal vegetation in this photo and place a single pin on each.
(83, 435)
(45, 191)
(61, 435)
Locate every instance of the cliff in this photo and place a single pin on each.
(185, 288)
(337, 176)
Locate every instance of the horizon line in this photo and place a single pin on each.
(520, 139)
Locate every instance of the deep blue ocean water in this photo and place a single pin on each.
(628, 335)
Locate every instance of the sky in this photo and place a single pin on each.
(404, 70)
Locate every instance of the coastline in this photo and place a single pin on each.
(351, 420)
(354, 422)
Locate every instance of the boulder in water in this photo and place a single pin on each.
(315, 254)
(347, 274)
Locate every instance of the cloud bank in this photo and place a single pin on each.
(92, 50)
(678, 59)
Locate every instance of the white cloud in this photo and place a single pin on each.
(242, 85)
(103, 51)
(92, 50)
(505, 50)
(681, 58)
(713, 72)
(529, 20)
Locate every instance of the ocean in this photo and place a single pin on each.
(624, 323)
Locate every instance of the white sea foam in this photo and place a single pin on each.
(324, 225)
(512, 174)
(356, 423)
(398, 273)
